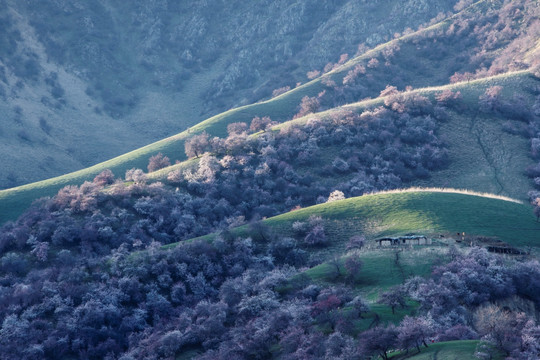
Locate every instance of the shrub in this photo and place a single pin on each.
(281, 90)
(316, 237)
(197, 145)
(356, 242)
(136, 175)
(106, 177)
(335, 196)
(307, 106)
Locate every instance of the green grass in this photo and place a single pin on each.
(380, 270)
(450, 350)
(14, 201)
(385, 316)
(421, 212)
(430, 212)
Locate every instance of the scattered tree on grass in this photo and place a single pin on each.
(395, 297)
(378, 341)
(136, 175)
(307, 106)
(491, 99)
(356, 242)
(335, 196)
(281, 90)
(197, 145)
(260, 124)
(536, 204)
(359, 305)
(316, 236)
(236, 128)
(414, 332)
(353, 265)
(106, 177)
(157, 162)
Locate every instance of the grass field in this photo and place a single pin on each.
(431, 213)
(450, 350)
(380, 270)
(420, 212)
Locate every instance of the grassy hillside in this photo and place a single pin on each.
(429, 212)
(482, 167)
(463, 171)
(147, 70)
(483, 157)
(451, 350)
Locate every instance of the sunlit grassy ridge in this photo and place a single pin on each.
(450, 191)
(281, 108)
(431, 212)
(14, 201)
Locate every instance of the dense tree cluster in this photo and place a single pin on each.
(471, 297)
(477, 44)
(241, 177)
(378, 149)
(243, 299)
(84, 275)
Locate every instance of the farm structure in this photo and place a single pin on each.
(404, 240)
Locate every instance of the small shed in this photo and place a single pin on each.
(404, 240)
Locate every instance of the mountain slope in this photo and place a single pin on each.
(399, 56)
(144, 70)
(463, 168)
(225, 254)
(429, 212)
